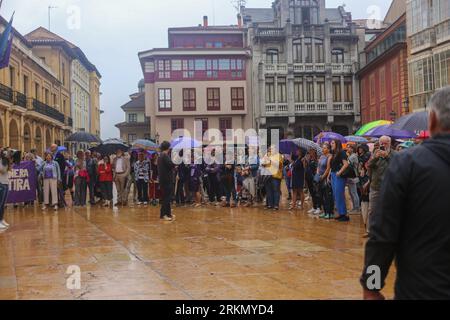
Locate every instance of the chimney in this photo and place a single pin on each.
(205, 21)
(239, 17)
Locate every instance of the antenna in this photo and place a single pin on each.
(237, 4)
(49, 15)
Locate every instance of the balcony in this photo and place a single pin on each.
(309, 67)
(48, 111)
(339, 68)
(277, 108)
(6, 93)
(311, 107)
(270, 33)
(69, 122)
(343, 107)
(275, 68)
(20, 99)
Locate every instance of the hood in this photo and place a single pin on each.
(440, 146)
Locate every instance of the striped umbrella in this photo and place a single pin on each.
(369, 126)
(145, 145)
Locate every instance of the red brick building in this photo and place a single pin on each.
(384, 79)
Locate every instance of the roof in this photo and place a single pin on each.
(16, 33)
(138, 103)
(208, 28)
(42, 36)
(333, 15)
(397, 9)
(258, 14)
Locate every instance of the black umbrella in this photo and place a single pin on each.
(417, 121)
(110, 146)
(83, 137)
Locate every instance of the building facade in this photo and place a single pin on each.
(384, 79)
(428, 31)
(305, 58)
(137, 124)
(34, 103)
(79, 76)
(202, 77)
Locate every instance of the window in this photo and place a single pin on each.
(309, 90)
(337, 97)
(46, 96)
(200, 64)
(321, 89)
(165, 99)
(204, 126)
(298, 90)
(55, 102)
(12, 77)
(25, 85)
(297, 48)
(132, 117)
(213, 98)
(382, 83)
(270, 90)
(224, 125)
(308, 45)
(394, 77)
(337, 56)
(211, 68)
(176, 65)
(63, 71)
(188, 68)
(372, 89)
(176, 124)
(189, 99)
(318, 43)
(132, 137)
(224, 64)
(272, 56)
(64, 106)
(282, 94)
(237, 99)
(348, 90)
(164, 67)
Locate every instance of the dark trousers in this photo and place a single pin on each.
(273, 191)
(142, 188)
(3, 196)
(213, 188)
(326, 193)
(179, 193)
(313, 191)
(167, 194)
(91, 186)
(80, 191)
(107, 190)
(230, 191)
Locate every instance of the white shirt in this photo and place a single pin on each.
(119, 165)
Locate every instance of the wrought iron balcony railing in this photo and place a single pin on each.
(48, 111)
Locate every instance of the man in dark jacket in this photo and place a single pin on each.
(411, 224)
(166, 180)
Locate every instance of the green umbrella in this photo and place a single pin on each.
(372, 125)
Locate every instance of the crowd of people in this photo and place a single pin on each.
(147, 179)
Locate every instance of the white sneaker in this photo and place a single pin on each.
(5, 223)
(138, 203)
(167, 218)
(44, 207)
(145, 203)
(55, 208)
(312, 210)
(317, 211)
(3, 226)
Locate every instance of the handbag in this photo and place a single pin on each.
(349, 173)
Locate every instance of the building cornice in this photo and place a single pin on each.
(193, 52)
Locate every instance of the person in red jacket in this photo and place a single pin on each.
(105, 177)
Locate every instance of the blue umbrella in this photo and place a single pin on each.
(287, 146)
(356, 139)
(417, 121)
(185, 143)
(390, 132)
(328, 137)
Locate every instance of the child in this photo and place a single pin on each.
(364, 185)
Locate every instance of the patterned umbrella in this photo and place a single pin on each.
(307, 144)
(185, 143)
(390, 132)
(328, 136)
(356, 139)
(417, 121)
(372, 125)
(110, 146)
(145, 145)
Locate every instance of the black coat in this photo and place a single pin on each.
(411, 222)
(165, 170)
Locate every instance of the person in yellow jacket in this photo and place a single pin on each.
(272, 164)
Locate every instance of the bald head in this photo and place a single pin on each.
(53, 147)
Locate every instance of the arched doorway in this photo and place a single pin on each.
(48, 138)
(38, 140)
(27, 137)
(13, 135)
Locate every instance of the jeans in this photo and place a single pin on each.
(80, 191)
(3, 196)
(353, 189)
(338, 185)
(230, 190)
(142, 188)
(167, 191)
(273, 192)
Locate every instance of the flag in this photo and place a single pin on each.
(6, 44)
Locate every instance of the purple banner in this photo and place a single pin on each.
(22, 183)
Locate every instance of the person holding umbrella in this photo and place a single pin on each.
(166, 180)
(339, 164)
(121, 170)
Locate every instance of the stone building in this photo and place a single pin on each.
(305, 57)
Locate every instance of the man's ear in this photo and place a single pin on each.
(433, 123)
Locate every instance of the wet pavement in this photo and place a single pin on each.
(207, 253)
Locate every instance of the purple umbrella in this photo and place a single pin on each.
(328, 137)
(287, 146)
(390, 132)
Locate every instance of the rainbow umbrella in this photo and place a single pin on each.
(372, 125)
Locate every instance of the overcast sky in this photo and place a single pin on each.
(112, 32)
